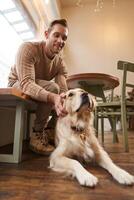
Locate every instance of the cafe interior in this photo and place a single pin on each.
(99, 54)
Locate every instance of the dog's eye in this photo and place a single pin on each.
(70, 94)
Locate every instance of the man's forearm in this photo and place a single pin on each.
(61, 81)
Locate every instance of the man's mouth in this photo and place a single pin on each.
(58, 47)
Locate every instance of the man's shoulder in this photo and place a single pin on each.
(31, 44)
(26, 46)
(33, 47)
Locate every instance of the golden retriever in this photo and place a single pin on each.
(75, 136)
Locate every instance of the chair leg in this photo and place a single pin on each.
(97, 127)
(102, 129)
(115, 136)
(124, 126)
(96, 122)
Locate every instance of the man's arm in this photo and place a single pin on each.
(61, 76)
(60, 79)
(25, 61)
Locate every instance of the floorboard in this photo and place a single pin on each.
(33, 180)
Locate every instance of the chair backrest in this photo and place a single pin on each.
(124, 64)
(126, 67)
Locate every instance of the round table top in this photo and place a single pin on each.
(93, 79)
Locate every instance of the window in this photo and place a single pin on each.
(14, 30)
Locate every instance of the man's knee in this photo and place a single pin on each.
(55, 88)
(49, 86)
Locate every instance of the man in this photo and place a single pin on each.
(37, 63)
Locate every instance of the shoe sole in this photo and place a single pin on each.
(33, 149)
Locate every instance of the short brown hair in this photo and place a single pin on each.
(62, 22)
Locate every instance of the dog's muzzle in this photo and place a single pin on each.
(84, 100)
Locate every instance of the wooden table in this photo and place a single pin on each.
(94, 83)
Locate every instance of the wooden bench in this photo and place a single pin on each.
(13, 98)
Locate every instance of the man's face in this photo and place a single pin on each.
(56, 38)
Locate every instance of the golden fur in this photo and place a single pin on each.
(75, 136)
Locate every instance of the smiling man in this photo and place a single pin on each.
(40, 72)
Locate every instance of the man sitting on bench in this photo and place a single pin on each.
(37, 63)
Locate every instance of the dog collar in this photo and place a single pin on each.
(83, 136)
(80, 129)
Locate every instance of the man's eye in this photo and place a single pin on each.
(70, 94)
(56, 35)
(64, 38)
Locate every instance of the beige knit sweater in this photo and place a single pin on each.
(32, 64)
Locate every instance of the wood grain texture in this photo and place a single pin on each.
(14, 92)
(33, 180)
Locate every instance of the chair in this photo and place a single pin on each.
(98, 115)
(123, 108)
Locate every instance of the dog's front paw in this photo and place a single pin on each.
(123, 177)
(86, 179)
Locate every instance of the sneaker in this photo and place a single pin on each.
(39, 143)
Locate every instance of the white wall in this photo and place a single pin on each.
(97, 40)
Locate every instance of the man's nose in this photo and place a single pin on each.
(60, 39)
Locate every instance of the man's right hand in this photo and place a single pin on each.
(57, 101)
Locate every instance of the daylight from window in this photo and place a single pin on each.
(14, 31)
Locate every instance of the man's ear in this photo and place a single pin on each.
(46, 33)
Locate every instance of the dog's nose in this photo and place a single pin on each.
(84, 95)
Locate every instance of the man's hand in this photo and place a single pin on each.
(57, 100)
(58, 103)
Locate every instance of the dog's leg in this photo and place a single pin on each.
(118, 174)
(61, 163)
(105, 161)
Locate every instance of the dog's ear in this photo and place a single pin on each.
(93, 104)
(63, 96)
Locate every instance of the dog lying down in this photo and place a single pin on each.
(75, 136)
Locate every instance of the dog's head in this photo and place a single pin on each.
(78, 100)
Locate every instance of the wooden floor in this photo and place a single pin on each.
(33, 180)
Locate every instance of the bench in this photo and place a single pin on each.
(14, 98)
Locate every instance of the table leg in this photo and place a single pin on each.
(97, 91)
